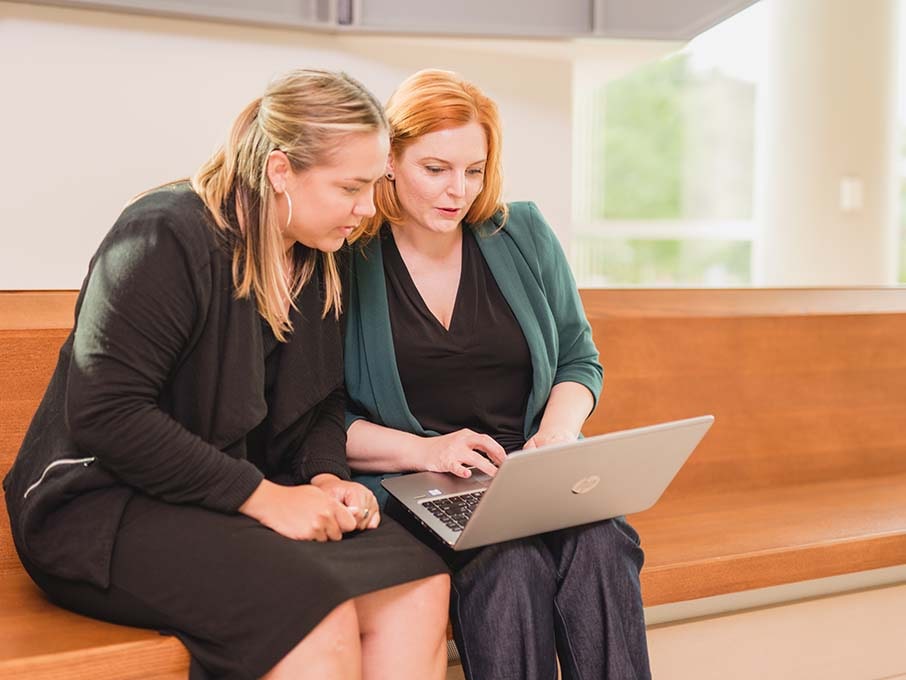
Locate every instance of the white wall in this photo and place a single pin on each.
(96, 107)
(828, 116)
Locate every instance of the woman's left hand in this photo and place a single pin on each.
(548, 437)
(358, 498)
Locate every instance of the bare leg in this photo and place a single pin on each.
(404, 630)
(332, 650)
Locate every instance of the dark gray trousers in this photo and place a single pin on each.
(572, 594)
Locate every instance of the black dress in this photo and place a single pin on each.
(129, 513)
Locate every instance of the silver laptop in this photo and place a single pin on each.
(554, 487)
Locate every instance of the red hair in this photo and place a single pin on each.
(426, 102)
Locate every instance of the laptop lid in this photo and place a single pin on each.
(556, 487)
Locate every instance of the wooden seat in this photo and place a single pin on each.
(725, 542)
(39, 640)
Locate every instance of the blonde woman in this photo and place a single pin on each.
(186, 469)
(466, 340)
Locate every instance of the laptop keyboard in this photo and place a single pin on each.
(454, 511)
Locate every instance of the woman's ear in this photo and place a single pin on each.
(278, 169)
(388, 169)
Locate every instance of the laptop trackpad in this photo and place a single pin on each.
(433, 484)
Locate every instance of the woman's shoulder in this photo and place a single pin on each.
(522, 213)
(517, 217)
(523, 224)
(365, 251)
(173, 206)
(172, 217)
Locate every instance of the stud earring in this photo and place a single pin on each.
(389, 176)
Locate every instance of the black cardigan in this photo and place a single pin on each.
(157, 387)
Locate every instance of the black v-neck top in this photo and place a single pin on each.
(477, 374)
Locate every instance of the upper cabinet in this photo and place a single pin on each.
(661, 19)
(479, 18)
(651, 19)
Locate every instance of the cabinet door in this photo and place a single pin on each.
(288, 13)
(477, 17)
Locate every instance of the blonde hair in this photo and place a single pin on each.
(305, 114)
(425, 102)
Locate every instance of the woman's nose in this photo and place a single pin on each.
(458, 185)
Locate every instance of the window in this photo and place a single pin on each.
(667, 163)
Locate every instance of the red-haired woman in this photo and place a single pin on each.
(466, 336)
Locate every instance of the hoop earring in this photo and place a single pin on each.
(289, 216)
(389, 176)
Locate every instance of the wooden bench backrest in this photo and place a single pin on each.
(805, 384)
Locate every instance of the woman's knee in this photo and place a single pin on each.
(526, 556)
(409, 604)
(613, 540)
(342, 623)
(506, 581)
(436, 587)
(331, 649)
(430, 595)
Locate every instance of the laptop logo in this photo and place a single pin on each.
(586, 484)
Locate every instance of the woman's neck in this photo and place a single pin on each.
(430, 244)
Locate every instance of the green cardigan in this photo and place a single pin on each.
(531, 270)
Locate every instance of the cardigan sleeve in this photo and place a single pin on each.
(323, 449)
(577, 359)
(142, 303)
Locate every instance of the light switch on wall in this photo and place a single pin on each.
(850, 194)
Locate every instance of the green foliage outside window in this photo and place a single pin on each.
(670, 143)
(660, 262)
(640, 144)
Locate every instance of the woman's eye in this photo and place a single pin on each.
(351, 190)
(476, 171)
(433, 169)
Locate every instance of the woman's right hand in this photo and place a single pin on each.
(303, 513)
(457, 453)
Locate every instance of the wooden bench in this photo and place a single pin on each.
(803, 475)
(38, 640)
